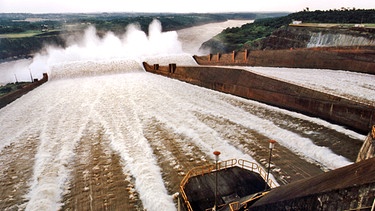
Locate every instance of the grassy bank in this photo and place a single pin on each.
(11, 87)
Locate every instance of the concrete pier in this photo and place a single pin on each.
(348, 188)
(357, 59)
(355, 115)
(8, 98)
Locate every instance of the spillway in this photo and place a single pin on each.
(158, 127)
(108, 135)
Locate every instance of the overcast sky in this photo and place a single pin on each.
(60, 6)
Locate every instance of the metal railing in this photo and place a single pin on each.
(201, 170)
(256, 168)
(234, 206)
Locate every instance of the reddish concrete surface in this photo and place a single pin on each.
(358, 59)
(355, 115)
(8, 98)
(348, 188)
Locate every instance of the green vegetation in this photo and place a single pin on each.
(12, 87)
(29, 33)
(248, 35)
(22, 35)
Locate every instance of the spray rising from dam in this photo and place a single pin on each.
(101, 112)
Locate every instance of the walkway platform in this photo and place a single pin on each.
(234, 183)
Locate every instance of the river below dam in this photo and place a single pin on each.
(103, 134)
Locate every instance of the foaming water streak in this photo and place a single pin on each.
(126, 109)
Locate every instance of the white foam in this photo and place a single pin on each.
(15, 71)
(63, 108)
(352, 85)
(93, 68)
(134, 44)
(110, 91)
(112, 54)
(302, 146)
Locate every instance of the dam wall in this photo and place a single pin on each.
(8, 98)
(242, 83)
(307, 35)
(358, 59)
(348, 188)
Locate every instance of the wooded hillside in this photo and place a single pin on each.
(249, 35)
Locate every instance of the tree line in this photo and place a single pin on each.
(237, 38)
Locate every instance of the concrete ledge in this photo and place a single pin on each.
(8, 98)
(357, 59)
(242, 83)
(348, 188)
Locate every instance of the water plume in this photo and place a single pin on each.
(15, 71)
(110, 52)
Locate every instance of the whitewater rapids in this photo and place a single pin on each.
(154, 128)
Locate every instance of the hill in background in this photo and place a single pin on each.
(263, 33)
(22, 35)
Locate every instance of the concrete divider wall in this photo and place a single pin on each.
(355, 115)
(342, 199)
(351, 59)
(8, 98)
(351, 187)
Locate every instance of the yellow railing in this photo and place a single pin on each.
(256, 168)
(201, 170)
(373, 132)
(234, 206)
(207, 169)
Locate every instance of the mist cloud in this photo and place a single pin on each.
(134, 45)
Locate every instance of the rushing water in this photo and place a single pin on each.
(319, 39)
(105, 134)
